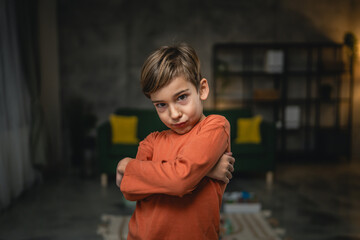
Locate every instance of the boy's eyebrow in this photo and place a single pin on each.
(180, 92)
(175, 95)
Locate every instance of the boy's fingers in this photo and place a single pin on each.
(229, 175)
(231, 168)
(231, 160)
(228, 153)
(118, 179)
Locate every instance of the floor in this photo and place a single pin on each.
(311, 202)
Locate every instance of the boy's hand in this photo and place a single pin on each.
(120, 170)
(223, 168)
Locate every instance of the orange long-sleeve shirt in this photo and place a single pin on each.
(175, 199)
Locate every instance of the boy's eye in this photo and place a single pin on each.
(182, 97)
(160, 105)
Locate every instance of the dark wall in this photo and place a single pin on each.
(103, 44)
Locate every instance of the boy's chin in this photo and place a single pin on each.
(181, 131)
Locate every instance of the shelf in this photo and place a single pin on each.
(265, 76)
(314, 101)
(249, 101)
(234, 45)
(250, 73)
(313, 128)
(289, 101)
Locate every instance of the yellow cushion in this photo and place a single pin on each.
(124, 129)
(248, 130)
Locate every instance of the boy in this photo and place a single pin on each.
(174, 177)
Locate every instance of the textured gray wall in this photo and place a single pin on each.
(103, 44)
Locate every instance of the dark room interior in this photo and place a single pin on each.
(287, 71)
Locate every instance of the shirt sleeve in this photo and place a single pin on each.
(181, 175)
(144, 153)
(146, 148)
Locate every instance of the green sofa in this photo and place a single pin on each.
(259, 158)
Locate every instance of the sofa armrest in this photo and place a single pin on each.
(268, 133)
(103, 142)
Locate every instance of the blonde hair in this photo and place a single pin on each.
(167, 63)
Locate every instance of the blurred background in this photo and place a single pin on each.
(67, 65)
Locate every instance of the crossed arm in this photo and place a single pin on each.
(222, 171)
(144, 176)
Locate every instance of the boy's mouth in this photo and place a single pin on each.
(180, 125)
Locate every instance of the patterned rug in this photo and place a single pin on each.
(249, 226)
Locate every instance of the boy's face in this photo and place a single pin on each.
(179, 104)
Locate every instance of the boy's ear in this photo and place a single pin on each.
(204, 89)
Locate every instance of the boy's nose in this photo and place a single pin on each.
(175, 113)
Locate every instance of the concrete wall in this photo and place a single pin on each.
(103, 44)
(49, 75)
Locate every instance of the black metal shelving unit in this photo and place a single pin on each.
(309, 82)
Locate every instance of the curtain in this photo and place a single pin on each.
(27, 28)
(16, 168)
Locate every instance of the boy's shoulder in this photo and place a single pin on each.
(156, 135)
(213, 122)
(216, 119)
